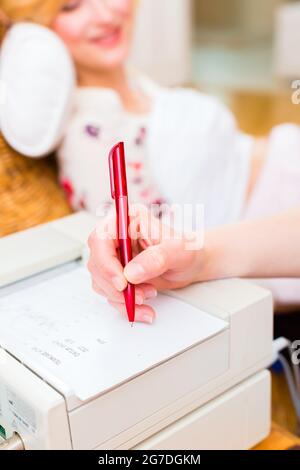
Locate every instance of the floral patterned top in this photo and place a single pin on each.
(98, 122)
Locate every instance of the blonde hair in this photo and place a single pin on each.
(37, 11)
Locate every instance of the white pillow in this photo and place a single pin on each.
(37, 81)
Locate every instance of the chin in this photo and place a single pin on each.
(106, 59)
(111, 59)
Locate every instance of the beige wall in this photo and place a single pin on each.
(162, 45)
(215, 13)
(258, 16)
(252, 17)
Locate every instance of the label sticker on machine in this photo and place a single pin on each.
(75, 341)
(22, 413)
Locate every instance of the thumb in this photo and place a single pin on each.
(150, 264)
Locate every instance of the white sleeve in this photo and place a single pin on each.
(37, 82)
(198, 154)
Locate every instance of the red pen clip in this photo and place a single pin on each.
(118, 184)
(111, 172)
(117, 171)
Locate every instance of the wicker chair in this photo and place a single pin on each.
(29, 191)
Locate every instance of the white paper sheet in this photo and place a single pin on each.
(69, 335)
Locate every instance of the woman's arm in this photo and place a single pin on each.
(263, 248)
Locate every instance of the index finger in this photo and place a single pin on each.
(103, 245)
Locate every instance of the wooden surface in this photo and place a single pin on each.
(257, 112)
(283, 412)
(279, 439)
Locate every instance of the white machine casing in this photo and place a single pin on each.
(215, 395)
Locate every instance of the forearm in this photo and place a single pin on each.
(263, 248)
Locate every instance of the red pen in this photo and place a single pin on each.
(118, 183)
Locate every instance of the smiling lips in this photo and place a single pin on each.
(110, 38)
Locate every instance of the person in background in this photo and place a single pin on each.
(182, 146)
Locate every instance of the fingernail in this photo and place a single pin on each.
(151, 293)
(119, 283)
(134, 271)
(147, 319)
(139, 299)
